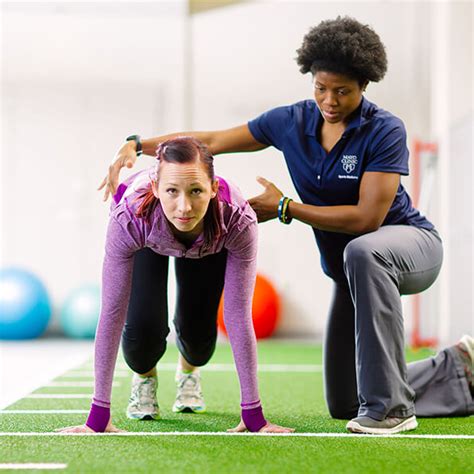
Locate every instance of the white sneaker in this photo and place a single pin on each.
(468, 345)
(465, 348)
(142, 404)
(189, 396)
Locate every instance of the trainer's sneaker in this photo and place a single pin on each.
(189, 396)
(365, 424)
(142, 404)
(465, 350)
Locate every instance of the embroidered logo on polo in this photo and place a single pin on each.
(349, 163)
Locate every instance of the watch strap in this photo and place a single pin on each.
(137, 140)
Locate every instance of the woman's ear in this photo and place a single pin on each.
(215, 188)
(154, 188)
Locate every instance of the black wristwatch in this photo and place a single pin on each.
(136, 139)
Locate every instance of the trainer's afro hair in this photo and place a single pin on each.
(343, 46)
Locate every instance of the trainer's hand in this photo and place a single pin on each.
(266, 204)
(125, 157)
(85, 429)
(268, 428)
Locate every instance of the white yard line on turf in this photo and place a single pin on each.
(40, 412)
(89, 373)
(278, 435)
(32, 466)
(59, 395)
(165, 367)
(76, 384)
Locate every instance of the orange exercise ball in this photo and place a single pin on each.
(265, 309)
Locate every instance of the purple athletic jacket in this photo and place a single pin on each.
(127, 234)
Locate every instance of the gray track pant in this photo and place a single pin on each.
(365, 369)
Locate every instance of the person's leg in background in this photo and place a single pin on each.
(444, 384)
(380, 266)
(200, 283)
(145, 331)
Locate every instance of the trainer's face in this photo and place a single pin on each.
(337, 96)
(185, 191)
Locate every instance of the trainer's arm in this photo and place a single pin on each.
(376, 195)
(232, 140)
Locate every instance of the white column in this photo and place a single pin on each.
(440, 92)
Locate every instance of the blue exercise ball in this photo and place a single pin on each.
(25, 308)
(80, 312)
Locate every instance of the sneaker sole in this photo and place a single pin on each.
(407, 425)
(143, 416)
(196, 410)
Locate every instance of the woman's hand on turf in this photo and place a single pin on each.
(240, 428)
(75, 429)
(266, 204)
(85, 429)
(125, 157)
(272, 428)
(268, 428)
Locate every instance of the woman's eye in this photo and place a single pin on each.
(171, 190)
(196, 191)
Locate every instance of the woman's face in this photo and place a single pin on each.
(336, 95)
(185, 191)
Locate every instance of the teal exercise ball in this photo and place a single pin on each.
(80, 312)
(25, 308)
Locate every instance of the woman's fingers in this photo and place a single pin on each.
(125, 157)
(237, 429)
(271, 191)
(113, 177)
(264, 182)
(59, 430)
(108, 187)
(75, 429)
(271, 428)
(268, 428)
(240, 428)
(114, 429)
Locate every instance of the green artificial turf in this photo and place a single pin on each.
(293, 399)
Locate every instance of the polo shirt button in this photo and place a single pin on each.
(319, 176)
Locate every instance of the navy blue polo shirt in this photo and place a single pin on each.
(374, 140)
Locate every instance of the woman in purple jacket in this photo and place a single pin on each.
(182, 210)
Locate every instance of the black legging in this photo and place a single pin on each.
(199, 284)
(339, 356)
